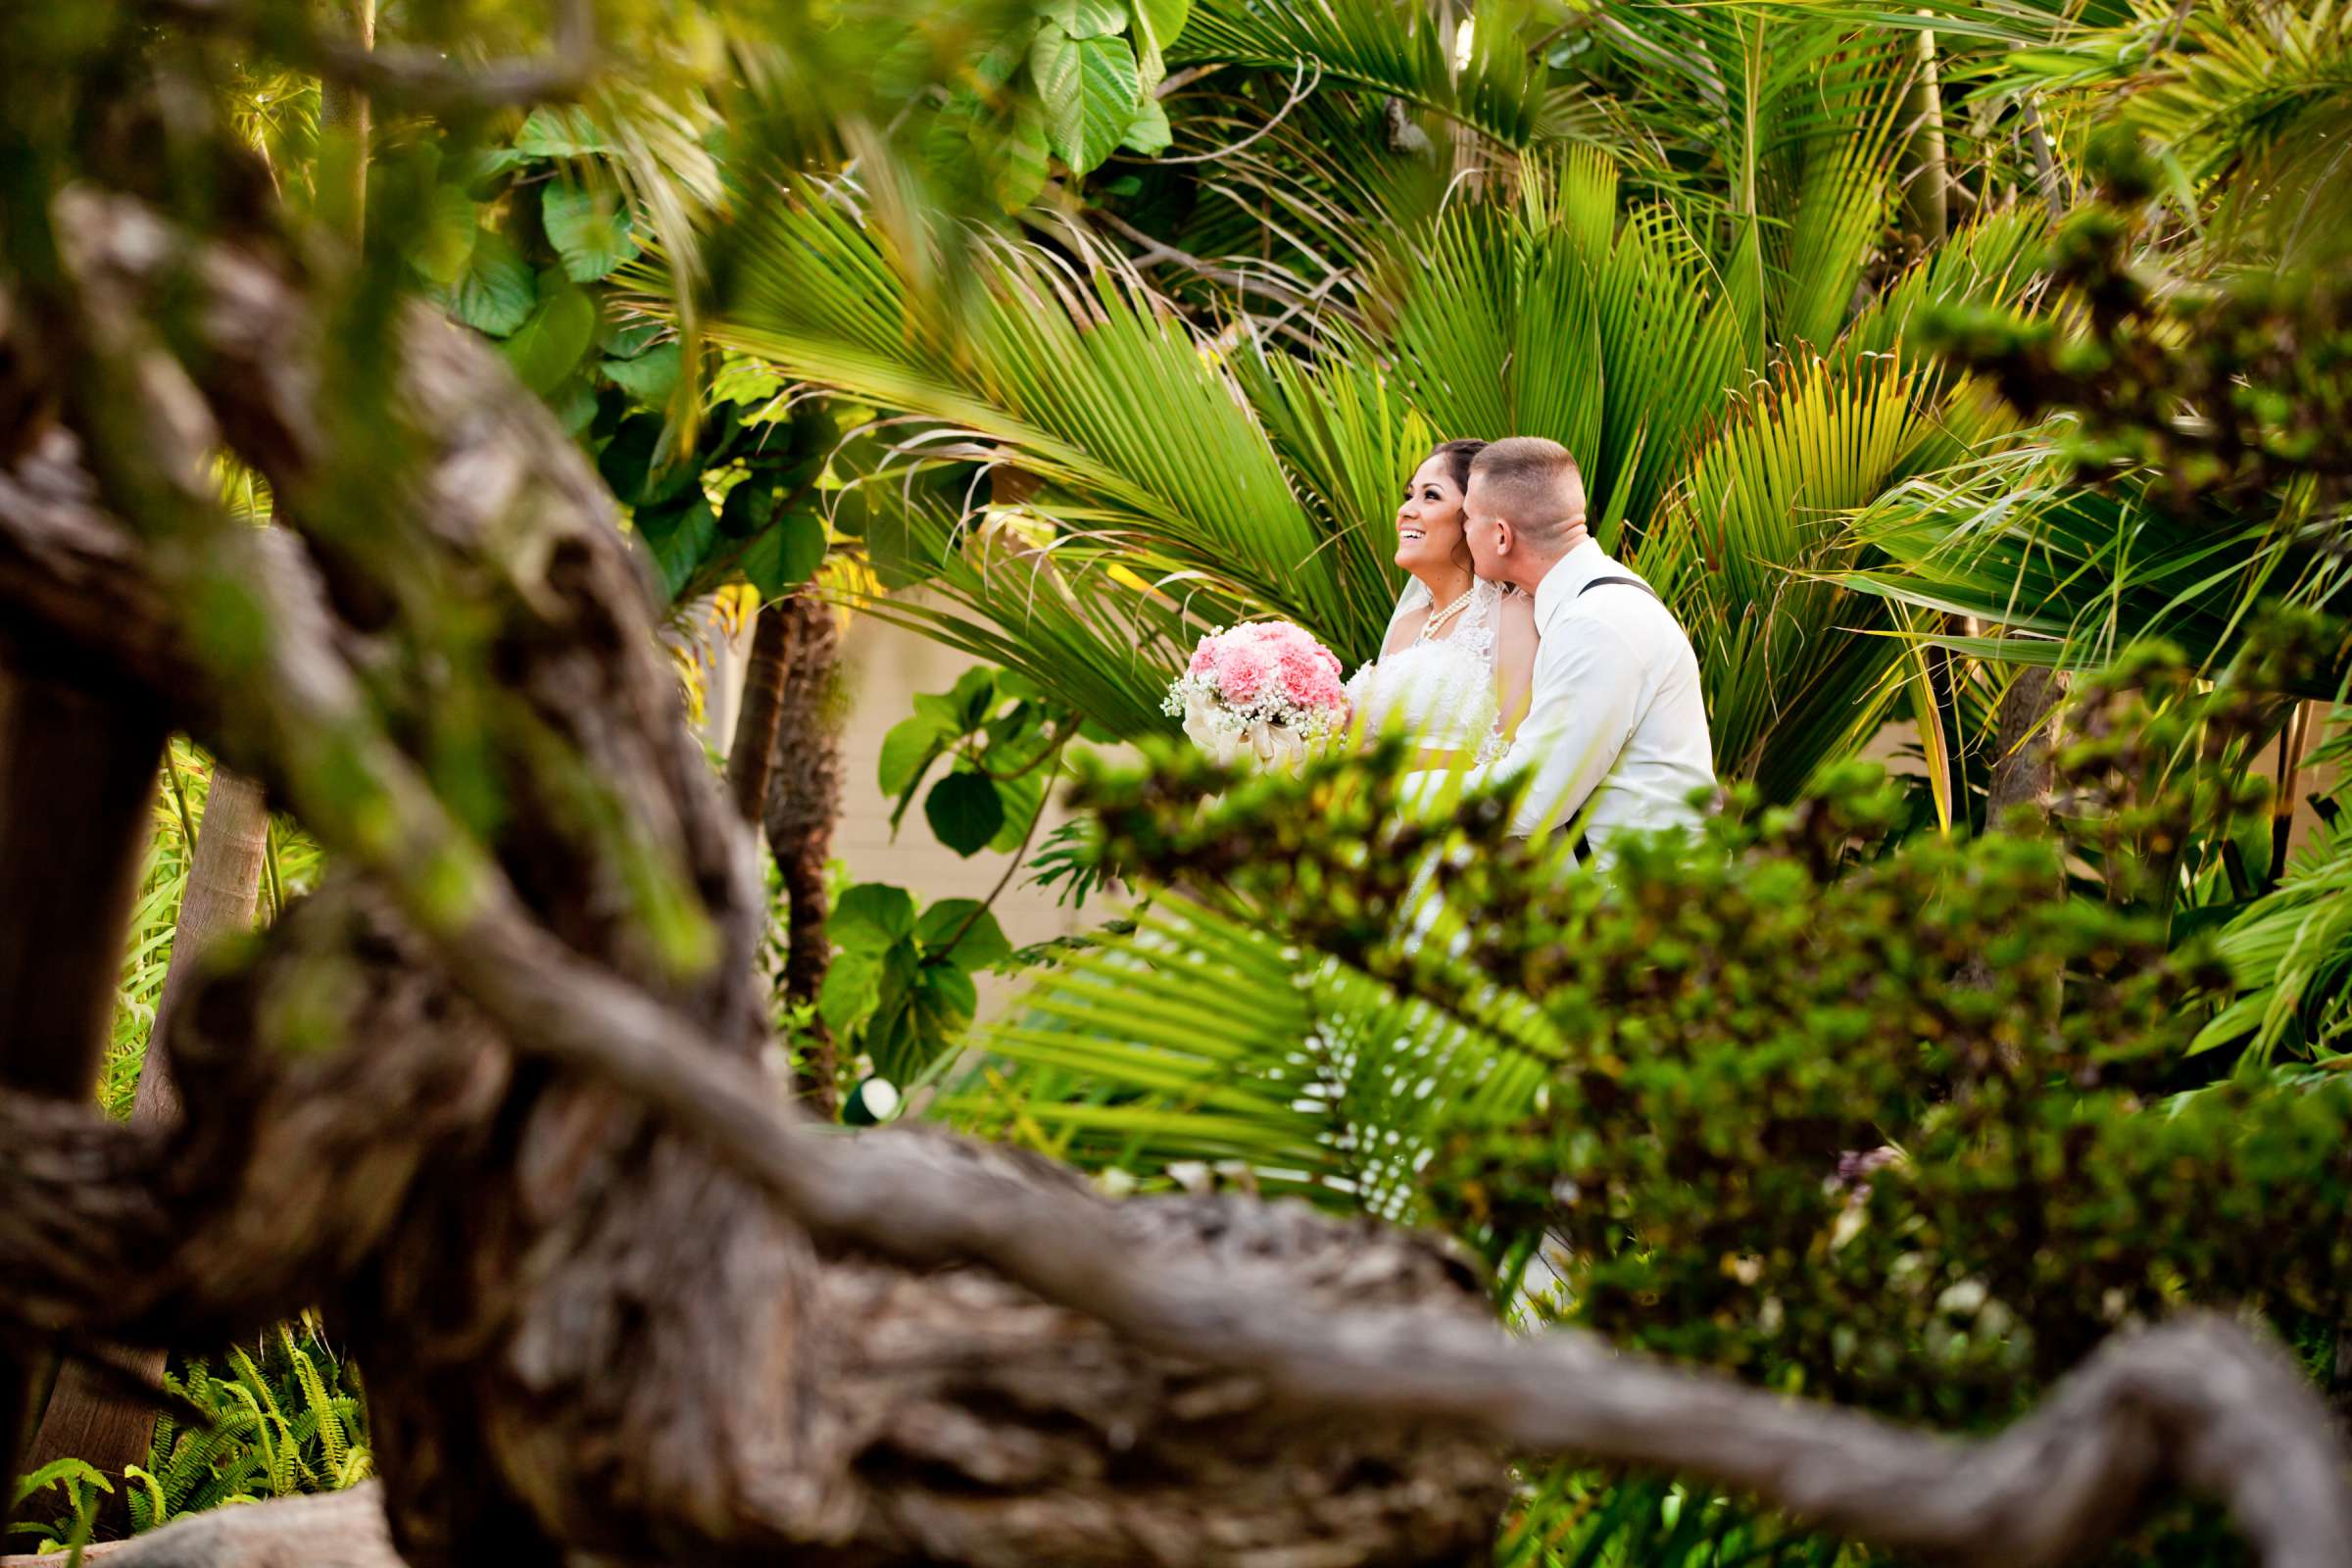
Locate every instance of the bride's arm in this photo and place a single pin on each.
(1515, 658)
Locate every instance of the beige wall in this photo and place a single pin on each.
(883, 666)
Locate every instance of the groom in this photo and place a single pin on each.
(1617, 718)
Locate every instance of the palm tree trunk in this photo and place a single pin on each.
(88, 1417)
(804, 802)
(77, 774)
(1926, 205)
(2021, 769)
(752, 756)
(345, 119)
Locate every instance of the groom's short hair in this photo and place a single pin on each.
(1533, 484)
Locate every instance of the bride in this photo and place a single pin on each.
(1456, 667)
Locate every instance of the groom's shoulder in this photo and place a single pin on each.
(1629, 611)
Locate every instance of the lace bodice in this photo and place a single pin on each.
(1441, 692)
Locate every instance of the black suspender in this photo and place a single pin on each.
(1629, 582)
(1584, 842)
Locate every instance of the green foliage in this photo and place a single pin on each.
(290, 864)
(1901, 1122)
(1116, 541)
(282, 1419)
(527, 242)
(1076, 79)
(742, 502)
(1567, 1517)
(78, 1486)
(288, 1422)
(2290, 950)
(1001, 739)
(1400, 51)
(2203, 396)
(900, 987)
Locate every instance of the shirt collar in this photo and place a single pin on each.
(1569, 576)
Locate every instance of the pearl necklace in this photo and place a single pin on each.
(1440, 620)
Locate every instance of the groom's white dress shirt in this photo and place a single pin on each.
(1617, 716)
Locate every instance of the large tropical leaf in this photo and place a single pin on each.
(1201, 1038)
(1746, 549)
(1396, 49)
(1139, 432)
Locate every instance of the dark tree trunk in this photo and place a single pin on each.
(77, 774)
(752, 755)
(804, 802)
(89, 1417)
(2021, 748)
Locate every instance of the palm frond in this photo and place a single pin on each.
(1747, 550)
(1067, 613)
(1201, 1038)
(1134, 425)
(1398, 50)
(2007, 540)
(2290, 951)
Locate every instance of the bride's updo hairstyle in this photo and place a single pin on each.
(1458, 456)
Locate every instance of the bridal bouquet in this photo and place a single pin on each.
(1265, 686)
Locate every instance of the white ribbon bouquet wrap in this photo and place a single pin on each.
(1265, 689)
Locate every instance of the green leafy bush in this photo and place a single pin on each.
(1900, 1121)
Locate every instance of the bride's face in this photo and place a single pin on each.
(1429, 525)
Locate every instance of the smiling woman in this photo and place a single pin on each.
(1453, 670)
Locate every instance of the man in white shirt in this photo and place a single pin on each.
(1617, 718)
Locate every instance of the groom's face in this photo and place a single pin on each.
(1486, 531)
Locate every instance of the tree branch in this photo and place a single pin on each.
(420, 78)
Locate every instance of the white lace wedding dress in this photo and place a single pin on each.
(1440, 691)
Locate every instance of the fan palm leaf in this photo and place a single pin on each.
(1390, 48)
(1748, 548)
(1204, 1037)
(2009, 540)
(1135, 423)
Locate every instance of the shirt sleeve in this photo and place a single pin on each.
(1587, 686)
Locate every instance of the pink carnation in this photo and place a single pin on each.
(1240, 669)
(1311, 677)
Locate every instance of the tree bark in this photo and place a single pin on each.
(751, 757)
(2021, 747)
(76, 773)
(804, 802)
(88, 1417)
